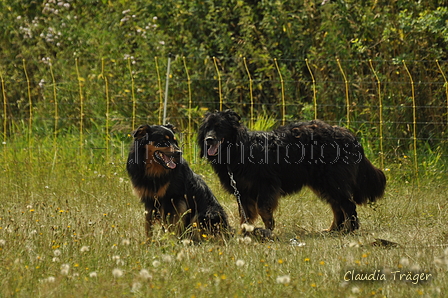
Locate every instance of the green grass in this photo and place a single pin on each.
(71, 227)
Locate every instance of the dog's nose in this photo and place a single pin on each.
(209, 140)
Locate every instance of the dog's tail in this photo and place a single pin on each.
(370, 183)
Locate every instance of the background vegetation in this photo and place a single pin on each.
(78, 76)
(99, 66)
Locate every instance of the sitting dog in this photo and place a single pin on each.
(172, 193)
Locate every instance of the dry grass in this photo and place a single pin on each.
(74, 229)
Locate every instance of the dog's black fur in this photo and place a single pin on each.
(267, 165)
(172, 193)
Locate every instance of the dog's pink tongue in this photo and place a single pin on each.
(213, 150)
(169, 162)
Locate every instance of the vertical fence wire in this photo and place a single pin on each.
(56, 107)
(380, 102)
(414, 122)
(313, 81)
(446, 89)
(282, 90)
(5, 108)
(190, 103)
(219, 83)
(134, 102)
(251, 94)
(32, 110)
(81, 107)
(347, 100)
(159, 85)
(30, 103)
(167, 84)
(106, 91)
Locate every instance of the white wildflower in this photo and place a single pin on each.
(117, 273)
(404, 261)
(136, 287)
(180, 255)
(247, 227)
(283, 279)
(144, 274)
(167, 258)
(244, 240)
(187, 242)
(156, 263)
(64, 269)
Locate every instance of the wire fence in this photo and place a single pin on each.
(398, 108)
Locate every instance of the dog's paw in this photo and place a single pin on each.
(263, 234)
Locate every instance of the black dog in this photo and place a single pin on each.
(172, 193)
(267, 165)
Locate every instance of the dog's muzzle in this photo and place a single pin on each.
(212, 146)
(168, 160)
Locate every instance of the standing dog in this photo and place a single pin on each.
(172, 193)
(267, 165)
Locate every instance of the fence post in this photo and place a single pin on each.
(106, 90)
(56, 108)
(189, 103)
(414, 123)
(314, 88)
(251, 94)
(347, 101)
(30, 103)
(159, 84)
(283, 91)
(134, 103)
(166, 88)
(446, 89)
(81, 107)
(219, 83)
(380, 99)
(5, 111)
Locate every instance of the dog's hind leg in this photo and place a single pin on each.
(351, 222)
(338, 217)
(266, 208)
(345, 218)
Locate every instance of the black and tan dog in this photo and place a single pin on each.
(172, 193)
(267, 165)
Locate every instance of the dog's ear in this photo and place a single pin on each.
(232, 116)
(141, 131)
(170, 127)
(208, 113)
(296, 132)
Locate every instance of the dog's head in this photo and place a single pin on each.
(217, 128)
(156, 147)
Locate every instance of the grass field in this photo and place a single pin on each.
(71, 227)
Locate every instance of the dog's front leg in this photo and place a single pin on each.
(150, 217)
